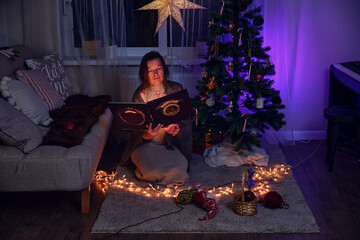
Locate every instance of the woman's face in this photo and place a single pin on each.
(155, 72)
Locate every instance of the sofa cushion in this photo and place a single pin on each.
(52, 65)
(41, 85)
(18, 130)
(74, 119)
(25, 99)
(55, 168)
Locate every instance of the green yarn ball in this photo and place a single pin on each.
(185, 196)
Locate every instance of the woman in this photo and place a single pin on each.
(159, 152)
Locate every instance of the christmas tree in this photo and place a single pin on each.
(235, 96)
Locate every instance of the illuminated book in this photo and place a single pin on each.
(166, 110)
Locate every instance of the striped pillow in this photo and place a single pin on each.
(40, 83)
(53, 67)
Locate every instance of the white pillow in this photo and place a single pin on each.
(25, 99)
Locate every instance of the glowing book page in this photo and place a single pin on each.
(170, 109)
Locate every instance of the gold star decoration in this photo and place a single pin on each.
(212, 84)
(203, 99)
(204, 73)
(170, 8)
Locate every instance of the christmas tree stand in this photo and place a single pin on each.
(224, 154)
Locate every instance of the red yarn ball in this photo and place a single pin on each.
(273, 200)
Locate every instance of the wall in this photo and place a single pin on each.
(333, 38)
(306, 37)
(327, 31)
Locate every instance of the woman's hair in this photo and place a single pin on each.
(143, 71)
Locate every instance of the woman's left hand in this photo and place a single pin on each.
(172, 129)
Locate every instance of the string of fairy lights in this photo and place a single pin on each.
(263, 179)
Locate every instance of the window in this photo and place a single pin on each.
(118, 22)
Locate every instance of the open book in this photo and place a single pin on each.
(166, 110)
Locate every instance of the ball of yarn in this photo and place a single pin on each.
(185, 196)
(273, 200)
(249, 196)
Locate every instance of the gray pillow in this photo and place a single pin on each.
(18, 130)
(25, 99)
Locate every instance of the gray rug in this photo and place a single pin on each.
(123, 208)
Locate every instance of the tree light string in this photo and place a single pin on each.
(263, 178)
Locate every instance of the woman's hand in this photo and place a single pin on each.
(172, 129)
(151, 133)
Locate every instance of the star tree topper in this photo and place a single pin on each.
(170, 7)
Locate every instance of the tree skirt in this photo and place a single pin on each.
(152, 212)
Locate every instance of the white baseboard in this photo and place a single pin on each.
(306, 135)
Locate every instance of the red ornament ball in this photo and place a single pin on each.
(258, 76)
(230, 27)
(273, 200)
(249, 196)
(70, 126)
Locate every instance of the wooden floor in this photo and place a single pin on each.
(334, 199)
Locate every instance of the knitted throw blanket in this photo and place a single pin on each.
(74, 119)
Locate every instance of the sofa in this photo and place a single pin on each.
(51, 136)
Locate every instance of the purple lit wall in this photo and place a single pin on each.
(306, 37)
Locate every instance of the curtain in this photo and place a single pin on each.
(185, 67)
(99, 34)
(39, 19)
(10, 24)
(113, 70)
(281, 19)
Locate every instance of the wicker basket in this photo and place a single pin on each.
(240, 206)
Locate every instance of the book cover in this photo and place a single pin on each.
(166, 110)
